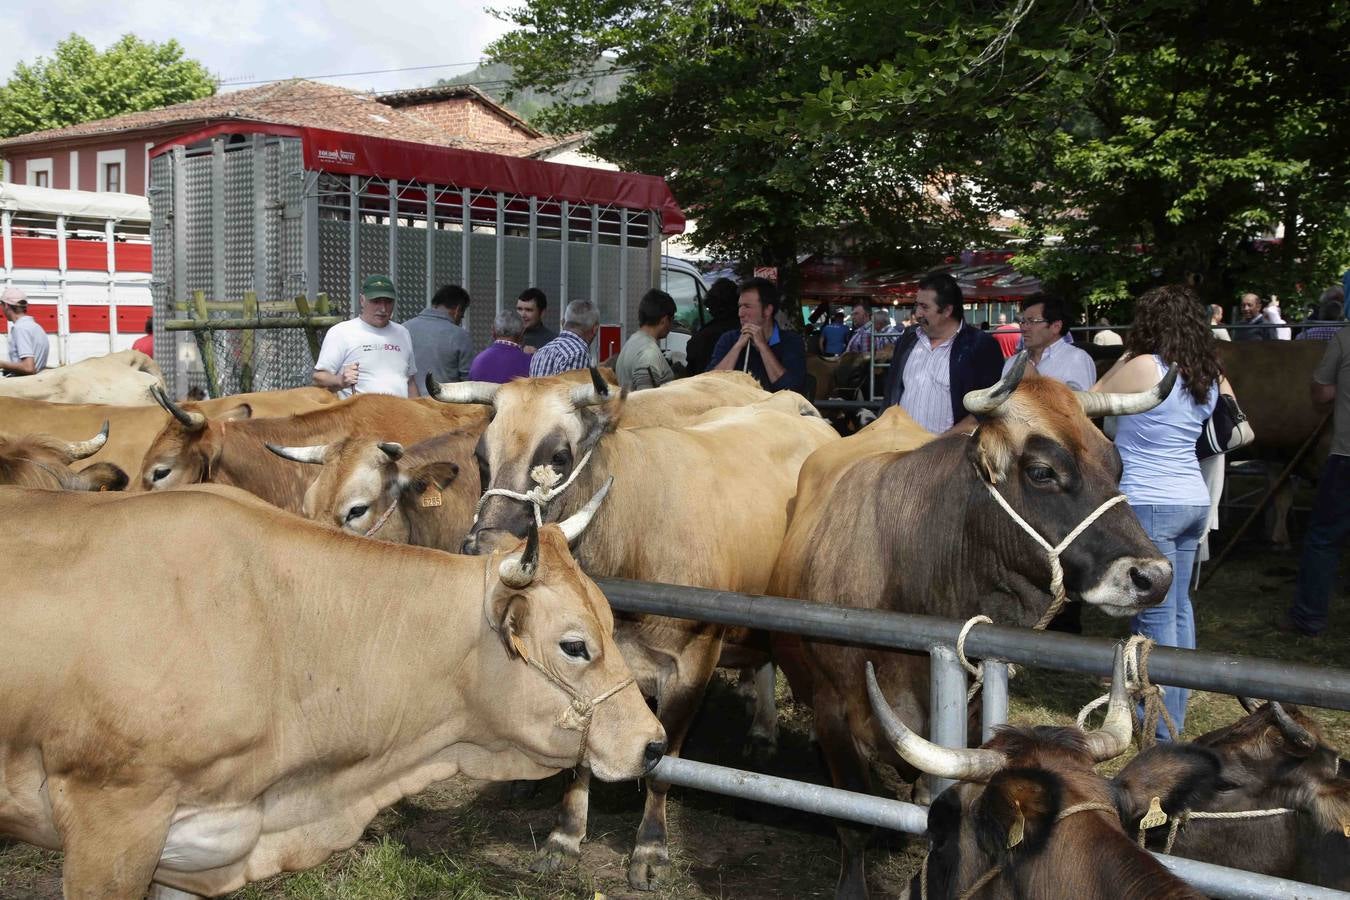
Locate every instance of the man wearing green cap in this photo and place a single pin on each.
(369, 354)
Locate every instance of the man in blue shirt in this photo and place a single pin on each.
(775, 357)
(834, 336)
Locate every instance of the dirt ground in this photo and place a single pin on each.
(462, 839)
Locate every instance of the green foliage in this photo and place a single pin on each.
(80, 84)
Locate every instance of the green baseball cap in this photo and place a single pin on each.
(378, 287)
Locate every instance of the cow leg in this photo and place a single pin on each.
(112, 838)
(849, 772)
(563, 847)
(762, 742)
(677, 702)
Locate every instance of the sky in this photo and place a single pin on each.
(253, 40)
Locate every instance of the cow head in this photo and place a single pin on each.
(1275, 757)
(561, 680)
(1037, 447)
(363, 478)
(1029, 806)
(540, 428)
(188, 447)
(40, 461)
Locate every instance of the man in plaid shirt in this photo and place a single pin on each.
(571, 349)
(886, 333)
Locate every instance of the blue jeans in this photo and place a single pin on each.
(1176, 530)
(1327, 531)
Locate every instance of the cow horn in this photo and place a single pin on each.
(1249, 704)
(963, 765)
(590, 394)
(986, 402)
(1096, 405)
(392, 449)
(576, 523)
(313, 455)
(517, 571)
(83, 449)
(463, 391)
(1113, 737)
(1292, 731)
(192, 421)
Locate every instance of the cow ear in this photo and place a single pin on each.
(989, 451)
(1016, 812)
(510, 613)
(102, 477)
(237, 413)
(601, 418)
(439, 473)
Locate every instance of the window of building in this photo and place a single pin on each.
(42, 179)
(112, 177)
(112, 168)
(39, 172)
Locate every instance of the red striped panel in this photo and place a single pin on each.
(89, 319)
(36, 253)
(131, 319)
(88, 255)
(132, 257)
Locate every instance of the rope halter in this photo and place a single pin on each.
(545, 490)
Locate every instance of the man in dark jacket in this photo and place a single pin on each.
(775, 357)
(941, 359)
(721, 305)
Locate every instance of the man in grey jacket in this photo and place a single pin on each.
(440, 346)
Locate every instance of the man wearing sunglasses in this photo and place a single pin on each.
(1045, 322)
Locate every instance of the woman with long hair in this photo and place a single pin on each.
(1161, 477)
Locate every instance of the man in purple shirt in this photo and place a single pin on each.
(503, 359)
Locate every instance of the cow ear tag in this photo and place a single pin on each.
(1018, 829)
(431, 497)
(1345, 827)
(519, 646)
(1155, 815)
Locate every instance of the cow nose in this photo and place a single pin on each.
(1141, 580)
(470, 545)
(1150, 580)
(652, 755)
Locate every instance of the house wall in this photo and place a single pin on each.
(133, 173)
(466, 117)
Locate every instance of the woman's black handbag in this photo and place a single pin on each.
(1226, 430)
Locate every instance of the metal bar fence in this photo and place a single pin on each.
(997, 645)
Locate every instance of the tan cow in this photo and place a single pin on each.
(231, 449)
(42, 461)
(705, 504)
(118, 379)
(134, 427)
(212, 724)
(686, 398)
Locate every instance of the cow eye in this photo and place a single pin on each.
(356, 512)
(575, 649)
(160, 473)
(1041, 474)
(562, 458)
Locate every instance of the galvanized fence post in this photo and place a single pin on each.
(947, 706)
(993, 698)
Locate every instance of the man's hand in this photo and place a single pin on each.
(754, 333)
(349, 374)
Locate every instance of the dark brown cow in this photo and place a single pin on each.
(1274, 758)
(42, 461)
(231, 449)
(1031, 818)
(939, 543)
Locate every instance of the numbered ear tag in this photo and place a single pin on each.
(1345, 827)
(1018, 829)
(1155, 815)
(432, 497)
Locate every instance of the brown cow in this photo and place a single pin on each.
(42, 461)
(704, 504)
(937, 542)
(1031, 818)
(231, 449)
(1275, 758)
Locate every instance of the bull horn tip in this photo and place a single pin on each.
(432, 387)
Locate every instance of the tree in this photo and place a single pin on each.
(80, 84)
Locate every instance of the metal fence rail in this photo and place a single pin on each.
(997, 645)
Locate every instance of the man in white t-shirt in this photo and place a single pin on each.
(27, 341)
(369, 354)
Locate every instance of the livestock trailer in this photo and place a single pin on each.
(278, 212)
(83, 259)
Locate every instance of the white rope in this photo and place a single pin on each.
(976, 670)
(1138, 686)
(545, 478)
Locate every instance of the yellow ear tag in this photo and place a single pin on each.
(1345, 827)
(432, 497)
(1018, 829)
(1155, 815)
(519, 646)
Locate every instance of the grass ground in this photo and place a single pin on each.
(462, 840)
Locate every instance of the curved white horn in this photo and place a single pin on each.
(517, 570)
(192, 421)
(963, 765)
(590, 394)
(1292, 731)
(313, 455)
(986, 402)
(1113, 737)
(82, 449)
(576, 523)
(1096, 405)
(462, 391)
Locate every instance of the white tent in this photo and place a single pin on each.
(80, 204)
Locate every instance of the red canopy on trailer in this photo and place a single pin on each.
(341, 153)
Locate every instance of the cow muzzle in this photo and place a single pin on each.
(1130, 584)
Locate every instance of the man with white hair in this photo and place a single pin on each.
(571, 349)
(27, 341)
(502, 360)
